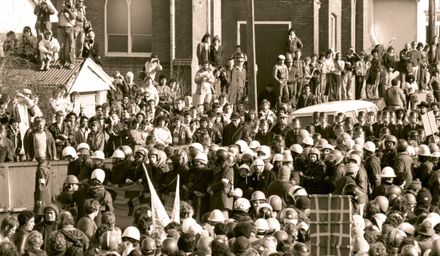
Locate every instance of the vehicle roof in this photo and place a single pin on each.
(335, 107)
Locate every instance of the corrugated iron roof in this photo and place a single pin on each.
(53, 77)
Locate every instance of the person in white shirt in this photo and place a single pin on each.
(335, 90)
(161, 133)
(49, 49)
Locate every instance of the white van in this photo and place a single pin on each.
(350, 108)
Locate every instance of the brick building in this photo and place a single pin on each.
(128, 31)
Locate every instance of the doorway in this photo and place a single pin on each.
(270, 41)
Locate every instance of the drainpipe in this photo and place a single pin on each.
(172, 35)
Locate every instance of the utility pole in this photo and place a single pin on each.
(252, 74)
(431, 21)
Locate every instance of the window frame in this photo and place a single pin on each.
(333, 32)
(129, 53)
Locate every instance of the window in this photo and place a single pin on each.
(332, 32)
(128, 27)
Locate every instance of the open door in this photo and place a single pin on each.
(270, 42)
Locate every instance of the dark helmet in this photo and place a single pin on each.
(393, 191)
(402, 145)
(169, 246)
(281, 235)
(334, 158)
(391, 138)
(148, 246)
(222, 156)
(300, 249)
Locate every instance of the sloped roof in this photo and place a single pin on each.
(85, 76)
(53, 77)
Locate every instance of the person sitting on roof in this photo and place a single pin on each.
(49, 48)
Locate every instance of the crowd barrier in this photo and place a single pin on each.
(17, 183)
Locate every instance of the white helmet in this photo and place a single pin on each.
(388, 172)
(132, 232)
(242, 204)
(216, 216)
(308, 141)
(369, 146)
(98, 174)
(261, 225)
(254, 144)
(118, 154)
(274, 225)
(277, 158)
(296, 148)
(265, 150)
(98, 154)
(197, 146)
(69, 151)
(424, 150)
(202, 157)
(242, 144)
(82, 146)
(237, 192)
(187, 223)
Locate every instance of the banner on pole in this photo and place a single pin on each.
(159, 214)
(429, 123)
(175, 214)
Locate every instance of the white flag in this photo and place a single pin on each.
(175, 215)
(159, 214)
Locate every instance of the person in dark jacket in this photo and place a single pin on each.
(7, 153)
(372, 164)
(281, 185)
(216, 53)
(94, 190)
(43, 183)
(223, 178)
(198, 182)
(232, 131)
(43, 11)
(49, 223)
(76, 241)
(404, 164)
(26, 222)
(264, 136)
(314, 177)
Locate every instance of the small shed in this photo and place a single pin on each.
(86, 77)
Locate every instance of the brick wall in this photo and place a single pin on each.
(299, 12)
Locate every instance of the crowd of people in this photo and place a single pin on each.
(245, 175)
(75, 37)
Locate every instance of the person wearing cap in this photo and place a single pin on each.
(237, 84)
(94, 189)
(387, 178)
(352, 168)
(65, 200)
(204, 78)
(281, 127)
(313, 178)
(233, 131)
(279, 75)
(49, 49)
(151, 67)
(372, 164)
(199, 179)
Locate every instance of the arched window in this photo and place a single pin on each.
(128, 27)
